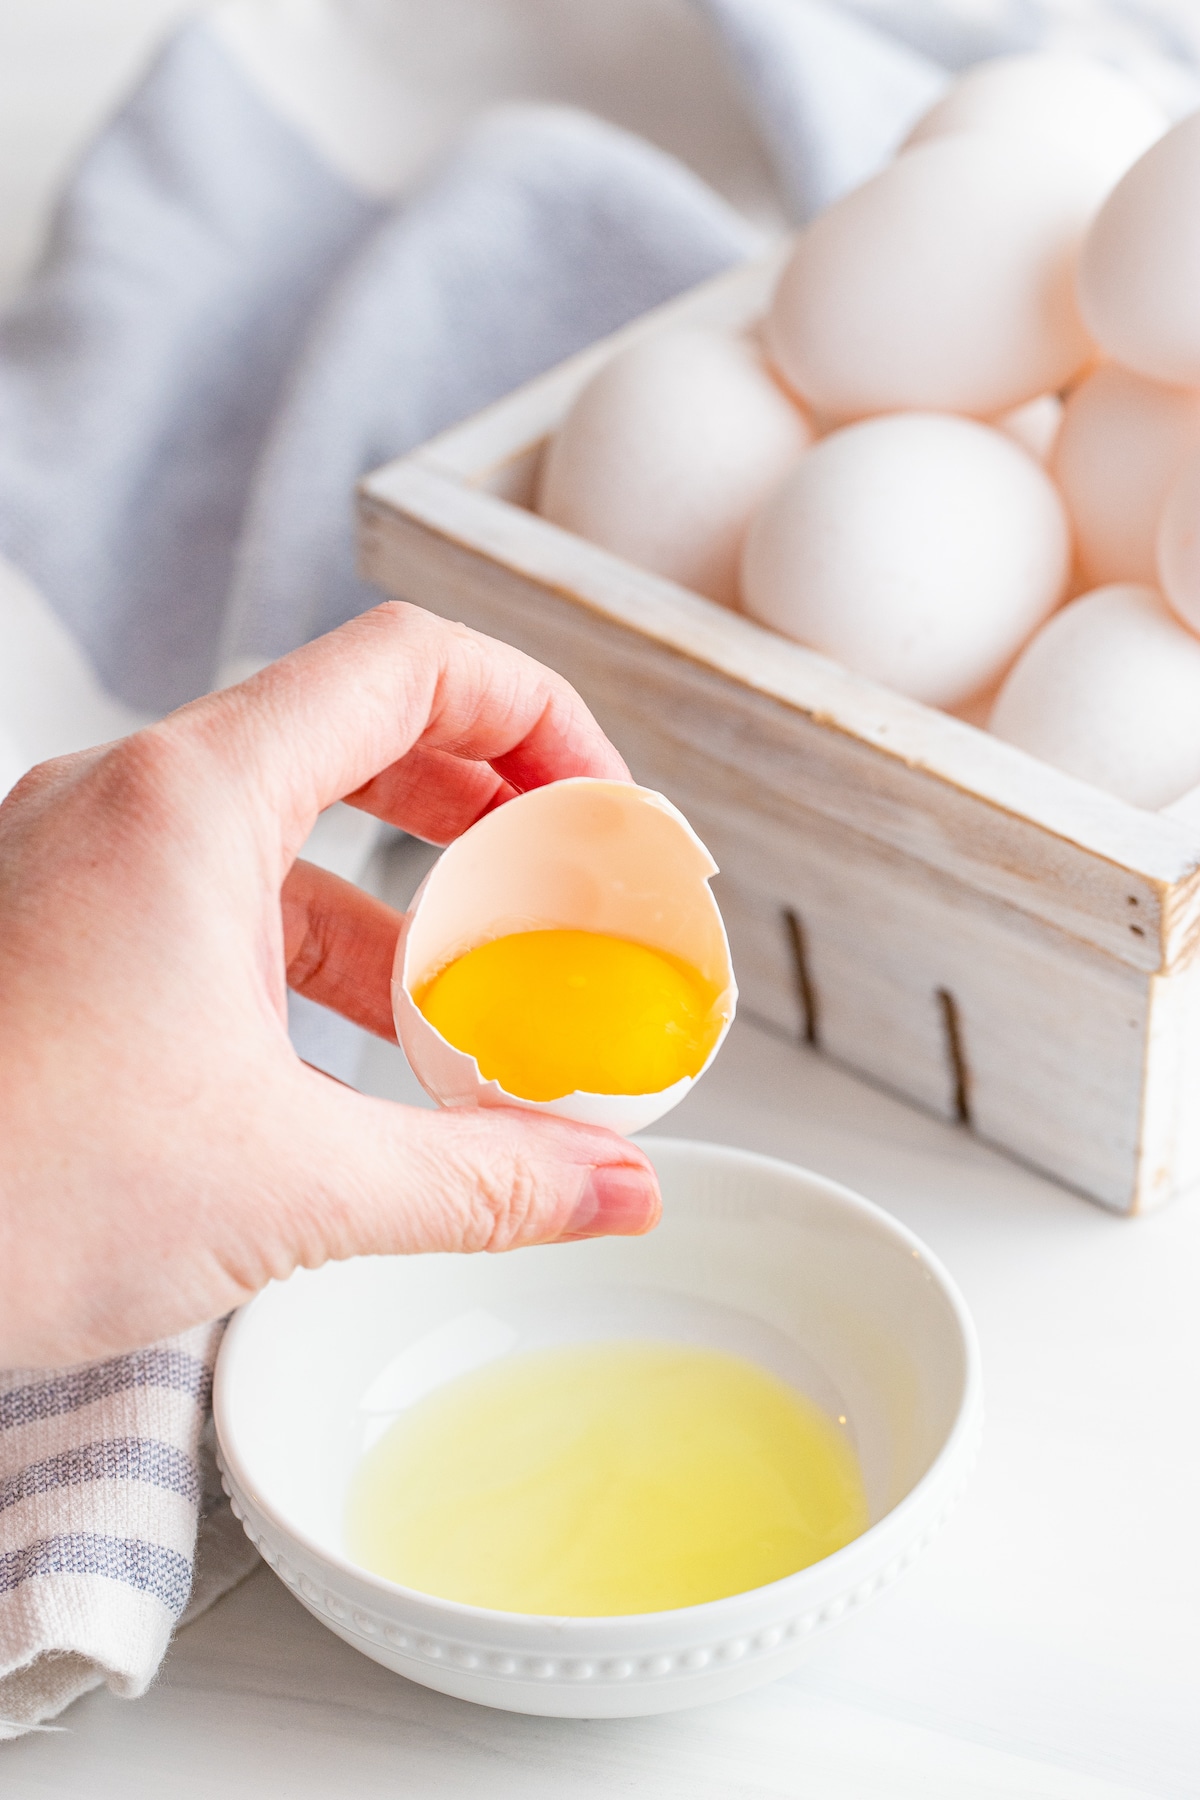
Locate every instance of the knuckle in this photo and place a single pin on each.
(508, 1192)
(309, 959)
(144, 774)
(392, 616)
(59, 774)
(38, 783)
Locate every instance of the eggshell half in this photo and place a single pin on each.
(667, 452)
(919, 549)
(1122, 442)
(1109, 690)
(946, 282)
(1054, 96)
(1139, 271)
(580, 855)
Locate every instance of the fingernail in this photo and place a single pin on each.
(615, 1202)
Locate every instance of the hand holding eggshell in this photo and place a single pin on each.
(1109, 690)
(919, 549)
(141, 1216)
(667, 452)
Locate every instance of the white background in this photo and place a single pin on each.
(1048, 1646)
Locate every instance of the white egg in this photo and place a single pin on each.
(1109, 690)
(1122, 441)
(579, 855)
(919, 549)
(668, 451)
(1034, 426)
(1056, 97)
(1139, 273)
(1179, 543)
(944, 283)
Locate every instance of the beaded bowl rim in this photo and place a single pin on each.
(578, 1668)
(907, 1523)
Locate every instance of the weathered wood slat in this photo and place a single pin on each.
(1038, 836)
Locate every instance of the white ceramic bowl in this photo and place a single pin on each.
(753, 1256)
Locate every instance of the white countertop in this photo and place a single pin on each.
(1048, 1645)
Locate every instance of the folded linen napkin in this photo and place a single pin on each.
(239, 311)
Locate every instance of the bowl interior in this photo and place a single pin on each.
(753, 1256)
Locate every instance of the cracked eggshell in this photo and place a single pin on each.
(584, 855)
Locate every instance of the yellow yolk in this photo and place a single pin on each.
(547, 1013)
(605, 1478)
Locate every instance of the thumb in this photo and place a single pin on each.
(373, 1177)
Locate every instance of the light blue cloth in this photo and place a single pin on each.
(1132, 34)
(142, 364)
(224, 335)
(547, 230)
(833, 96)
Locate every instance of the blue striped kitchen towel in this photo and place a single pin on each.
(104, 1475)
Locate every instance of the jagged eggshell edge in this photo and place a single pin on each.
(451, 1076)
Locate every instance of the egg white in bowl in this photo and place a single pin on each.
(753, 1257)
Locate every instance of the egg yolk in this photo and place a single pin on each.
(548, 1013)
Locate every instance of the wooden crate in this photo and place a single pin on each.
(993, 939)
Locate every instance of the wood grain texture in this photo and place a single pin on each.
(986, 935)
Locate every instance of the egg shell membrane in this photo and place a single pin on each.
(577, 855)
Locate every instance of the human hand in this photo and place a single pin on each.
(163, 1151)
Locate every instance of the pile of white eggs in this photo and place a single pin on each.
(976, 394)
